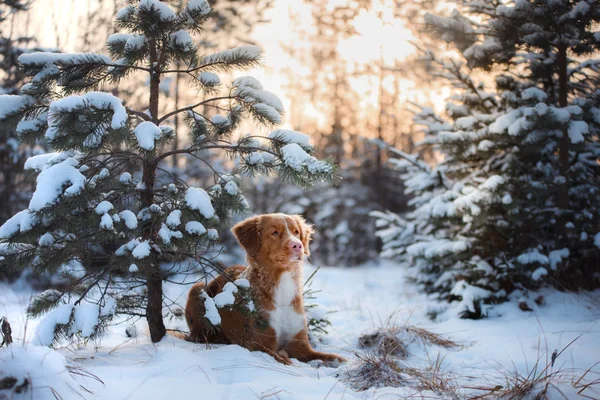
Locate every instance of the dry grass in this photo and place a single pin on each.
(428, 337)
(394, 340)
(538, 382)
(380, 362)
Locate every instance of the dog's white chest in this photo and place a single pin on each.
(286, 322)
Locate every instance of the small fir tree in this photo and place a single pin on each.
(515, 200)
(99, 215)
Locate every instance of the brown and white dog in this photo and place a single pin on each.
(276, 245)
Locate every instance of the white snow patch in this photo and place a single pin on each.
(539, 273)
(289, 136)
(211, 311)
(125, 178)
(50, 183)
(532, 257)
(146, 134)
(103, 207)
(577, 130)
(165, 13)
(195, 228)
(142, 250)
(197, 199)
(209, 79)
(44, 333)
(129, 218)
(200, 6)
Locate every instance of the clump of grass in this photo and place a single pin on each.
(428, 337)
(375, 371)
(537, 383)
(380, 362)
(394, 340)
(384, 342)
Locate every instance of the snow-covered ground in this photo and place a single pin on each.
(360, 300)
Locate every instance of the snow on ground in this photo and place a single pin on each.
(359, 300)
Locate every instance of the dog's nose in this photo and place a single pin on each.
(295, 246)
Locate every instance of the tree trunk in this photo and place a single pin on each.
(154, 307)
(153, 277)
(565, 142)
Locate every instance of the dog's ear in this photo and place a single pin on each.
(247, 234)
(306, 232)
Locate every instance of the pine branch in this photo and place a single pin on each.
(190, 108)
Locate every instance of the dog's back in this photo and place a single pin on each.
(194, 309)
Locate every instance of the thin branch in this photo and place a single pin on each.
(189, 108)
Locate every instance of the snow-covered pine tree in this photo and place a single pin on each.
(99, 215)
(515, 199)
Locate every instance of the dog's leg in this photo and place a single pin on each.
(299, 347)
(266, 341)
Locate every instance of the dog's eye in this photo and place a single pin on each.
(275, 233)
(297, 232)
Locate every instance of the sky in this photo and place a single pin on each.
(379, 36)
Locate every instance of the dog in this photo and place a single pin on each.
(275, 246)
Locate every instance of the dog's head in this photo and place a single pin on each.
(274, 238)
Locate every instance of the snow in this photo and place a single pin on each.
(533, 257)
(142, 250)
(45, 370)
(226, 297)
(248, 81)
(597, 240)
(539, 273)
(195, 228)
(46, 239)
(129, 218)
(182, 38)
(255, 158)
(165, 13)
(13, 224)
(242, 282)
(577, 130)
(534, 93)
(99, 100)
(133, 268)
(125, 12)
(289, 136)
(557, 256)
(37, 163)
(294, 156)
(10, 104)
(505, 121)
(243, 52)
(209, 79)
(103, 207)
(218, 119)
(200, 6)
(44, 333)
(166, 234)
(51, 181)
(231, 188)
(125, 178)
(146, 134)
(197, 199)
(211, 311)
(363, 299)
(106, 222)
(118, 38)
(174, 219)
(86, 319)
(135, 43)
